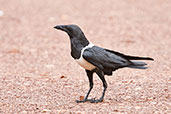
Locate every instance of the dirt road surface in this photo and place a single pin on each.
(38, 75)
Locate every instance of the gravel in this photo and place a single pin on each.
(38, 75)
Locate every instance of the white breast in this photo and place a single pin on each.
(82, 62)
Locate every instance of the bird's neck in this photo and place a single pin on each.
(77, 45)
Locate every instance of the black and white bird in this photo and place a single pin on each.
(97, 60)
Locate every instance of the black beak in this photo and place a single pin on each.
(58, 27)
(61, 27)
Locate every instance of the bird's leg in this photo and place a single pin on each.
(90, 77)
(101, 76)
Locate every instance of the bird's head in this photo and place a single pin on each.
(71, 30)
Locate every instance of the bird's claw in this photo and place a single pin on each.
(85, 100)
(93, 100)
(96, 101)
(81, 101)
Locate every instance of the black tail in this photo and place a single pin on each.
(138, 65)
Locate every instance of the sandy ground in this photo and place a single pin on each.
(38, 75)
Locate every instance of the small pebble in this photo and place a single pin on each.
(23, 112)
(81, 98)
(27, 83)
(153, 103)
(138, 88)
(46, 110)
(137, 107)
(63, 77)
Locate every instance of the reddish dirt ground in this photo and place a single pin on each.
(38, 75)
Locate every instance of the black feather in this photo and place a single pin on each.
(130, 57)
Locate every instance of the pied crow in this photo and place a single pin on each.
(95, 59)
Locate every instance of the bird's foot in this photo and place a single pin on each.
(96, 100)
(81, 101)
(85, 100)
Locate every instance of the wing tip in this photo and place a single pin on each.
(150, 59)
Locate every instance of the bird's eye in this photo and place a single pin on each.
(70, 30)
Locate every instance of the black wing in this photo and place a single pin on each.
(129, 57)
(104, 59)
